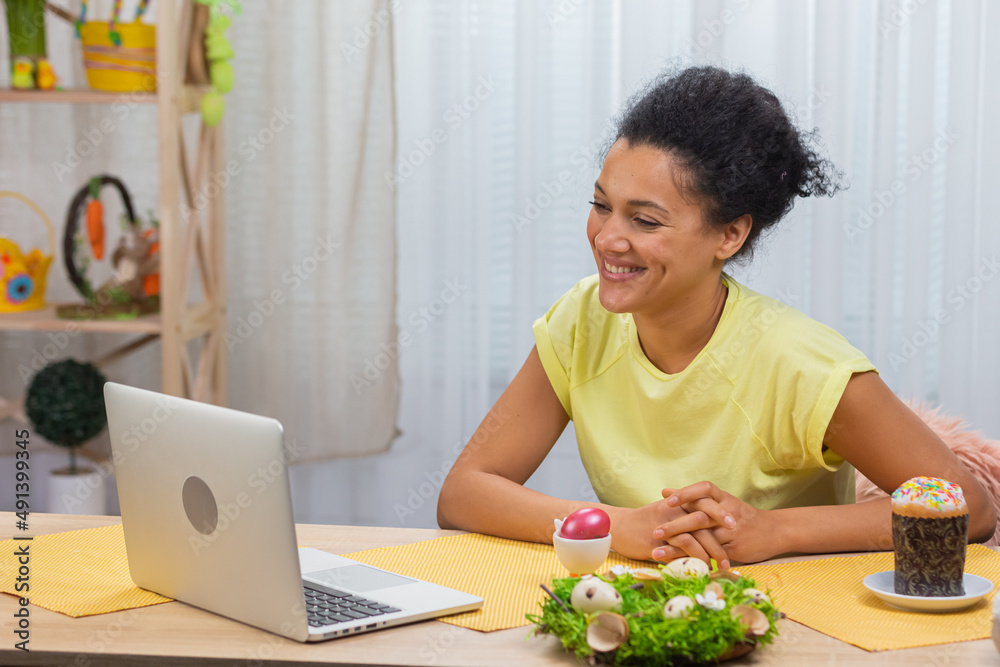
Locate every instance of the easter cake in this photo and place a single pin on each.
(930, 528)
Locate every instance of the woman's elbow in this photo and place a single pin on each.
(446, 505)
(982, 514)
(443, 522)
(983, 524)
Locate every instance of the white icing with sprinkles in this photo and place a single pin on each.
(931, 493)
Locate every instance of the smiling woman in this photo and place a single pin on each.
(740, 417)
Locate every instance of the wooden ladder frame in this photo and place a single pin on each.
(184, 242)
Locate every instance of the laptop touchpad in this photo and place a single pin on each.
(359, 578)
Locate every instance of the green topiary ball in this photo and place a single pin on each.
(65, 403)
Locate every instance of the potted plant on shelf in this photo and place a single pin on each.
(65, 405)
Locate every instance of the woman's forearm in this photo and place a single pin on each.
(863, 526)
(833, 528)
(486, 503)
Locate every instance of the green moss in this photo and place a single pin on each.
(700, 637)
(119, 296)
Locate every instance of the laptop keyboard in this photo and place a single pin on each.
(331, 606)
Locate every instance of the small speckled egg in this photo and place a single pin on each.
(593, 595)
(756, 596)
(687, 568)
(677, 606)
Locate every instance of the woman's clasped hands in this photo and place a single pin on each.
(712, 524)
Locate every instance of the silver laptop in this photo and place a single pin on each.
(207, 515)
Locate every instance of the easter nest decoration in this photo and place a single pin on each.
(676, 614)
(134, 289)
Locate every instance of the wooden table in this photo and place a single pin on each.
(176, 634)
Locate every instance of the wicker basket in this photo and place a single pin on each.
(22, 280)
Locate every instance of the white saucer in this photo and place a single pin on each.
(882, 584)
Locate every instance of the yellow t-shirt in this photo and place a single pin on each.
(748, 414)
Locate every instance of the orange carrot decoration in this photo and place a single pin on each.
(95, 219)
(151, 282)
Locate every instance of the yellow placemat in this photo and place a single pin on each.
(505, 573)
(79, 573)
(827, 595)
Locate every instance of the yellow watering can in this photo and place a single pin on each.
(22, 284)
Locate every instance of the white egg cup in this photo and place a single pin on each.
(581, 556)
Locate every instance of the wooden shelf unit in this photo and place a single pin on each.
(189, 100)
(47, 320)
(191, 239)
(74, 96)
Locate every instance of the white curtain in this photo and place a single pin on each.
(310, 217)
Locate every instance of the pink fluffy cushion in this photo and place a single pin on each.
(979, 454)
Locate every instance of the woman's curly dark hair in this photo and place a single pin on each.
(739, 151)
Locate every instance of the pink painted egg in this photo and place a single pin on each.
(586, 524)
